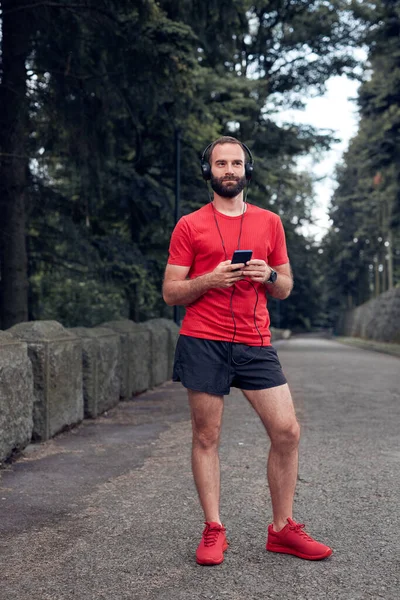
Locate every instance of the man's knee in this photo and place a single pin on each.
(206, 438)
(286, 437)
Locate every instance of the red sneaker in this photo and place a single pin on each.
(292, 539)
(213, 545)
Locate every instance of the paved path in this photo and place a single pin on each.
(109, 511)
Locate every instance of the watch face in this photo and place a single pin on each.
(273, 277)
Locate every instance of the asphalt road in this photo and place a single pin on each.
(108, 510)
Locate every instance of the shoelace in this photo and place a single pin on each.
(299, 528)
(211, 534)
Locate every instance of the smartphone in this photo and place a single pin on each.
(241, 256)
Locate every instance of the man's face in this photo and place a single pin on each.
(227, 170)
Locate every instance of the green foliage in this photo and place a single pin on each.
(110, 84)
(304, 310)
(77, 302)
(363, 246)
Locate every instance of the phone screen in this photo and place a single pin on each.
(241, 256)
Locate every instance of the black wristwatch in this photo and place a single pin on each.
(272, 277)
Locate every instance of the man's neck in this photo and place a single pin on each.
(232, 207)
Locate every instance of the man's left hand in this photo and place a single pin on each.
(257, 270)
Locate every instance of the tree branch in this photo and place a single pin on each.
(21, 156)
(48, 4)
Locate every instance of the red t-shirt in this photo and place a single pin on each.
(196, 243)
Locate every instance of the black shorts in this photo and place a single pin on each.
(213, 367)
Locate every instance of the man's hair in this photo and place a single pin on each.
(225, 139)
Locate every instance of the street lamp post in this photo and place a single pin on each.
(177, 197)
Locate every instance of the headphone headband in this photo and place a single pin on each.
(206, 167)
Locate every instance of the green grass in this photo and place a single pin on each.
(386, 347)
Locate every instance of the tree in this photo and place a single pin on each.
(109, 84)
(363, 245)
(17, 22)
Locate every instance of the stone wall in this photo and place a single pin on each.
(16, 395)
(52, 377)
(56, 357)
(378, 319)
(101, 364)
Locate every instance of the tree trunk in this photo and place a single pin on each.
(377, 279)
(390, 259)
(132, 295)
(14, 165)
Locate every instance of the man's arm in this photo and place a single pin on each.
(284, 282)
(177, 290)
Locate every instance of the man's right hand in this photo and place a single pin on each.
(226, 274)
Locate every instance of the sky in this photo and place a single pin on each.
(336, 111)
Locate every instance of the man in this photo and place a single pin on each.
(225, 341)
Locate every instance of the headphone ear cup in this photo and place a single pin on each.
(248, 169)
(206, 171)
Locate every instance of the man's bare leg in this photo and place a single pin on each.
(276, 410)
(206, 412)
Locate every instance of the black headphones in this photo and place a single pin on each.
(206, 167)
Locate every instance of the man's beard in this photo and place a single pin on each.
(219, 186)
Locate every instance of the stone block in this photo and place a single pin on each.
(173, 331)
(279, 334)
(135, 356)
(386, 324)
(16, 395)
(159, 350)
(344, 324)
(101, 361)
(355, 328)
(56, 356)
(378, 319)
